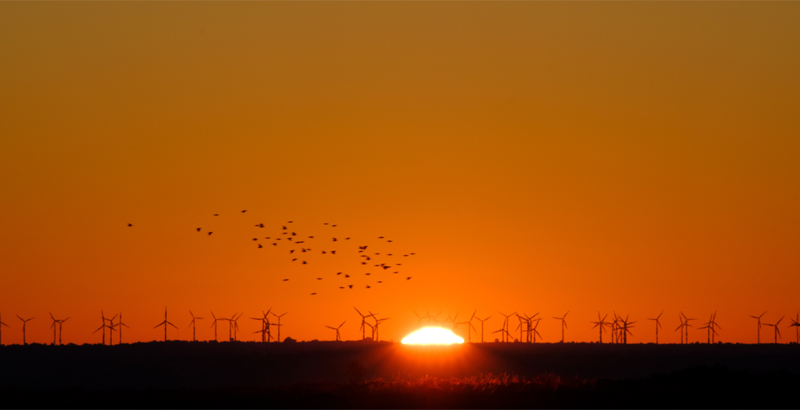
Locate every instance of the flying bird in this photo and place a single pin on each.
(210, 233)
(244, 210)
(319, 278)
(313, 294)
(346, 276)
(255, 239)
(351, 286)
(368, 287)
(334, 239)
(259, 246)
(304, 262)
(333, 252)
(198, 229)
(338, 273)
(286, 280)
(130, 224)
(408, 278)
(294, 259)
(216, 214)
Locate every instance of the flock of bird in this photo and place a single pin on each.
(375, 263)
(619, 328)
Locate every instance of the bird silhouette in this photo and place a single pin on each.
(408, 278)
(319, 278)
(259, 246)
(244, 210)
(274, 244)
(338, 273)
(351, 286)
(290, 221)
(333, 252)
(286, 280)
(313, 294)
(255, 239)
(304, 262)
(216, 214)
(334, 239)
(346, 276)
(294, 259)
(368, 287)
(130, 224)
(210, 233)
(291, 251)
(198, 229)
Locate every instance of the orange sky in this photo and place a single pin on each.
(536, 156)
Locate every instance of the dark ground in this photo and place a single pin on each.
(380, 375)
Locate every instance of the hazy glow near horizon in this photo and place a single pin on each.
(432, 336)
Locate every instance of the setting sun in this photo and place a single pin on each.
(432, 336)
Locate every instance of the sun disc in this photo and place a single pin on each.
(432, 336)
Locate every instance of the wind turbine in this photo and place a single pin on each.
(235, 321)
(338, 336)
(687, 325)
(279, 324)
(505, 325)
(482, 320)
(601, 324)
(563, 320)
(57, 323)
(165, 323)
(120, 325)
(1, 330)
(103, 327)
(625, 329)
(193, 324)
(214, 325)
(758, 334)
(24, 323)
(682, 325)
(658, 323)
(471, 327)
(795, 323)
(777, 331)
(363, 327)
(266, 336)
(377, 330)
(534, 331)
(111, 328)
(522, 319)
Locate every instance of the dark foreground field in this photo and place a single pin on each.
(369, 375)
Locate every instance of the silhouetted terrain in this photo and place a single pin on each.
(366, 374)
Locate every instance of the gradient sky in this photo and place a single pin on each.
(536, 156)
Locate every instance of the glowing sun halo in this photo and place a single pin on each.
(432, 336)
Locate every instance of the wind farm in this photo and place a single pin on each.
(610, 188)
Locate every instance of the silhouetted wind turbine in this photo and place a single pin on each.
(193, 324)
(279, 324)
(758, 333)
(625, 329)
(534, 331)
(471, 327)
(265, 330)
(601, 323)
(658, 323)
(563, 320)
(235, 321)
(777, 331)
(120, 325)
(165, 323)
(682, 325)
(363, 328)
(214, 325)
(24, 323)
(56, 326)
(111, 328)
(338, 336)
(1, 330)
(795, 323)
(102, 327)
(377, 329)
(505, 333)
(687, 326)
(483, 320)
